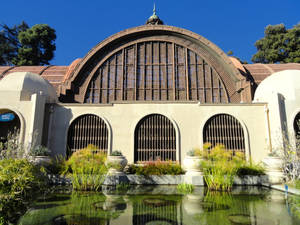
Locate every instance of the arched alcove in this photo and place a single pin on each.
(224, 129)
(154, 139)
(296, 126)
(9, 124)
(87, 129)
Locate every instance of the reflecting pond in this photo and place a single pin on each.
(148, 205)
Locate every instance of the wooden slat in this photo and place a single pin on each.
(224, 129)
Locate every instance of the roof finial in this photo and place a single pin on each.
(154, 9)
(154, 19)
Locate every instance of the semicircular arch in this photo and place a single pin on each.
(211, 54)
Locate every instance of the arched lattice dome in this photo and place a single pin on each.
(154, 63)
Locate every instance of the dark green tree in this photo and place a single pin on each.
(21, 45)
(9, 42)
(280, 45)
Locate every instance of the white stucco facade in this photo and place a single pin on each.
(281, 91)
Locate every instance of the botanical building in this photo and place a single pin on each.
(152, 92)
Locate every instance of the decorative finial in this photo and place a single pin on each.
(154, 19)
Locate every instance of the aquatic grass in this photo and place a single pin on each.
(218, 172)
(185, 188)
(87, 169)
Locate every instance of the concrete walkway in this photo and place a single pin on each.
(281, 187)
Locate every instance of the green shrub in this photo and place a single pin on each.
(19, 177)
(58, 165)
(87, 168)
(250, 169)
(156, 168)
(20, 181)
(87, 161)
(221, 165)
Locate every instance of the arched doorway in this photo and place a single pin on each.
(224, 129)
(154, 139)
(9, 124)
(87, 129)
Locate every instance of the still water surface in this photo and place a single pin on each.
(162, 205)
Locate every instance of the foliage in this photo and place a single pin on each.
(250, 169)
(156, 168)
(194, 152)
(58, 165)
(122, 187)
(19, 182)
(87, 182)
(280, 45)
(116, 153)
(39, 151)
(21, 45)
(12, 148)
(87, 168)
(297, 184)
(220, 166)
(294, 202)
(9, 42)
(88, 160)
(185, 188)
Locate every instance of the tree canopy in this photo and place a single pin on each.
(280, 45)
(24, 46)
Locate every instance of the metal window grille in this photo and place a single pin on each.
(155, 71)
(225, 129)
(167, 213)
(87, 129)
(155, 138)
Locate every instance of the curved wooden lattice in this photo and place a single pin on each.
(155, 139)
(155, 71)
(87, 129)
(224, 129)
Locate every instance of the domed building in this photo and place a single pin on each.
(152, 92)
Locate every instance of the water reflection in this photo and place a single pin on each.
(142, 205)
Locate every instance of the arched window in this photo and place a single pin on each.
(9, 124)
(297, 132)
(224, 129)
(155, 71)
(155, 139)
(87, 129)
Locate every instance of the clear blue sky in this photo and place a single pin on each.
(80, 25)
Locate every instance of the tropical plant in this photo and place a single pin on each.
(219, 167)
(87, 168)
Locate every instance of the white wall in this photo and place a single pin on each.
(188, 117)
